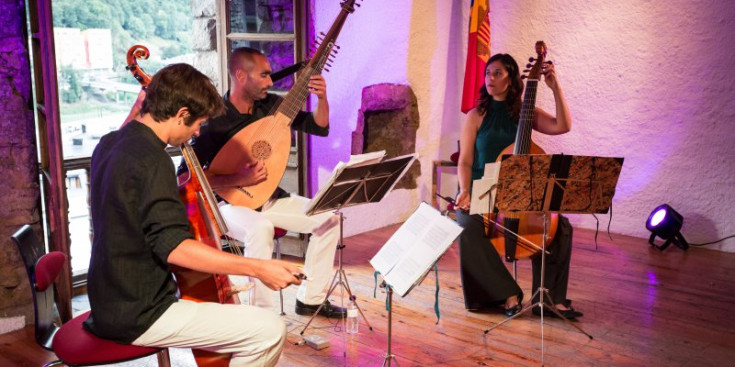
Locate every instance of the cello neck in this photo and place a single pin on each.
(196, 172)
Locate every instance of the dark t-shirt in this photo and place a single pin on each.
(137, 219)
(216, 132)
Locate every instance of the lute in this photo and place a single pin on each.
(269, 139)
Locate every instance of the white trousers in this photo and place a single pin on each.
(253, 335)
(255, 230)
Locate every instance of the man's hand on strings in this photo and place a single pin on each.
(253, 173)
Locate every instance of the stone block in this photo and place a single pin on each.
(208, 63)
(386, 96)
(388, 120)
(203, 8)
(204, 34)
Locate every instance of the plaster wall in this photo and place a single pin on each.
(417, 43)
(645, 80)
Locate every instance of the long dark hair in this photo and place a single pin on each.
(515, 89)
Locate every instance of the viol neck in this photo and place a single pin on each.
(525, 123)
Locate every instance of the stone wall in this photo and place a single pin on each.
(388, 120)
(204, 39)
(19, 185)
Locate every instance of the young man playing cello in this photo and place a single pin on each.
(141, 229)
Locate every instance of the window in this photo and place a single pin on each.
(276, 28)
(85, 91)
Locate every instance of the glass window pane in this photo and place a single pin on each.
(96, 91)
(280, 55)
(92, 39)
(261, 16)
(80, 227)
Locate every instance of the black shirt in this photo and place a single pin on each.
(137, 220)
(216, 132)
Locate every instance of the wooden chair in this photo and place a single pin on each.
(72, 344)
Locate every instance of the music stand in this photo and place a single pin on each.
(408, 256)
(352, 185)
(560, 184)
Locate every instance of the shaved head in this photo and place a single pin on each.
(242, 58)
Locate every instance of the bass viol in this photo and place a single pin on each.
(529, 226)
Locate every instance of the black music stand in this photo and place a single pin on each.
(560, 184)
(352, 185)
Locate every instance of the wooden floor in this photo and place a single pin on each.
(643, 308)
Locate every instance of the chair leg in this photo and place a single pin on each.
(163, 358)
(278, 256)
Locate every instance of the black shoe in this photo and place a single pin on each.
(327, 310)
(517, 308)
(569, 314)
(568, 304)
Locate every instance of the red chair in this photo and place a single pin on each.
(70, 342)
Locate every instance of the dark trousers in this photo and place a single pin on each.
(486, 281)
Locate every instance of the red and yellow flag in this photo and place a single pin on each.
(478, 52)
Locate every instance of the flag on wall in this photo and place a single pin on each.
(478, 52)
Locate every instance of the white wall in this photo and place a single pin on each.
(645, 80)
(418, 43)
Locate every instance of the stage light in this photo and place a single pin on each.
(665, 222)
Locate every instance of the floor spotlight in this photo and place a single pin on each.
(665, 222)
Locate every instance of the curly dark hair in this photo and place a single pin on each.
(515, 89)
(181, 85)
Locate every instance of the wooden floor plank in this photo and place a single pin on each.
(642, 306)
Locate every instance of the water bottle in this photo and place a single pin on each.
(352, 324)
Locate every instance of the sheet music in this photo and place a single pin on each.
(365, 158)
(483, 192)
(414, 248)
(354, 161)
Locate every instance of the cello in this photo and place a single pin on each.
(206, 225)
(269, 138)
(527, 225)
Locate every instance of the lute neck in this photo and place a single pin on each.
(296, 97)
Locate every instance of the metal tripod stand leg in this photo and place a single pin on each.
(388, 355)
(339, 278)
(543, 294)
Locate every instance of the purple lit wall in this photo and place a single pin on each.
(18, 165)
(647, 81)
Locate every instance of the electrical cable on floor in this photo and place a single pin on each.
(709, 243)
